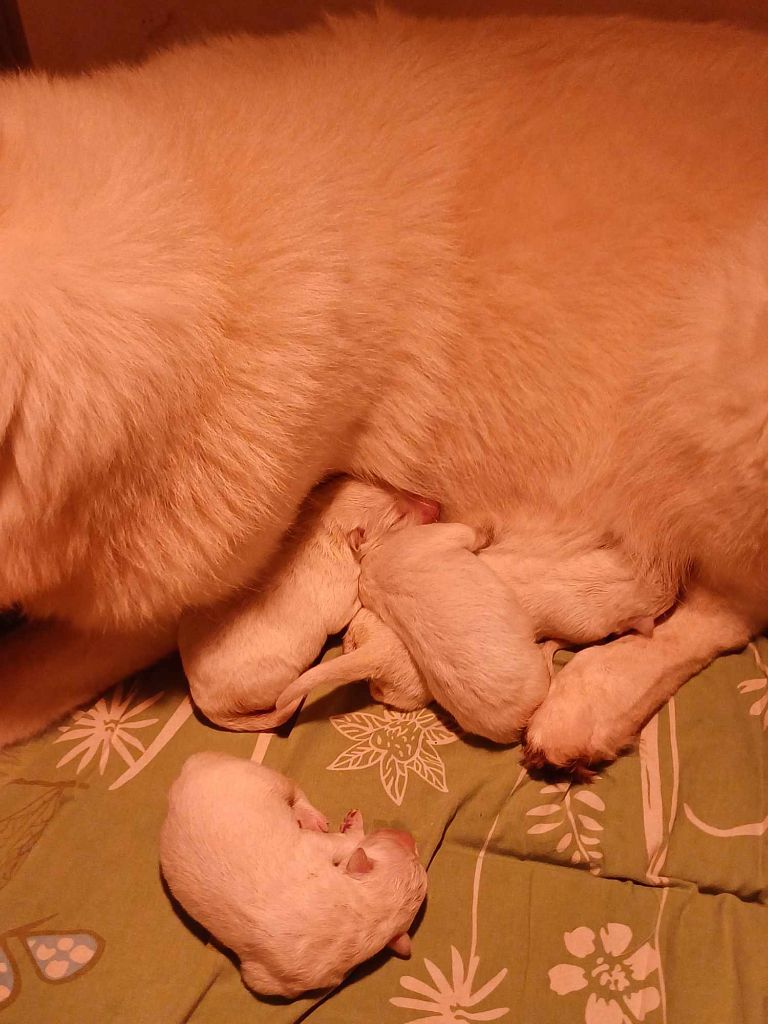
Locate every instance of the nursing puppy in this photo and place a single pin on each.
(312, 593)
(251, 860)
(575, 599)
(471, 640)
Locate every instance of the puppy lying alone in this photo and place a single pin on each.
(250, 858)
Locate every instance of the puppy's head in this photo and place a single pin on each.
(392, 883)
(360, 902)
(363, 512)
(380, 511)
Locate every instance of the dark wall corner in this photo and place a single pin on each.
(14, 52)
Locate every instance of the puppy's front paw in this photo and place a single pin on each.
(353, 822)
(310, 818)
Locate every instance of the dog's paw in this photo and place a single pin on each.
(576, 729)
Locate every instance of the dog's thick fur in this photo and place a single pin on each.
(513, 264)
(251, 859)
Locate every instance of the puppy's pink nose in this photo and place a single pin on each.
(405, 839)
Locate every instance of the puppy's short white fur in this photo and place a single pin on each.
(442, 616)
(249, 857)
(312, 593)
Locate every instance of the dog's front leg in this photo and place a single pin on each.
(48, 668)
(598, 703)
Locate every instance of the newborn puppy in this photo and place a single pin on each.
(575, 588)
(570, 591)
(250, 859)
(465, 629)
(311, 594)
(473, 643)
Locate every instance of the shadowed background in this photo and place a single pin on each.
(66, 36)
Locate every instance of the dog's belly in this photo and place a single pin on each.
(426, 290)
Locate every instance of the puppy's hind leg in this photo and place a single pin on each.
(48, 668)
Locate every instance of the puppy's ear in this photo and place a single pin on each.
(357, 539)
(423, 510)
(359, 863)
(401, 944)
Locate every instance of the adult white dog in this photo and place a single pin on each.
(517, 265)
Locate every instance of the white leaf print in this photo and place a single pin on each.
(576, 825)
(361, 755)
(750, 685)
(590, 798)
(356, 725)
(590, 823)
(456, 1000)
(547, 826)
(430, 767)
(564, 842)
(399, 742)
(394, 777)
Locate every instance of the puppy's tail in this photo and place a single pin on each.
(347, 668)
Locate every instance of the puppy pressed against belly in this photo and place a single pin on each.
(311, 594)
(445, 623)
(247, 855)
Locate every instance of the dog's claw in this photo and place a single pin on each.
(580, 770)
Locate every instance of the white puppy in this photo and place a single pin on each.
(472, 641)
(311, 594)
(247, 855)
(441, 622)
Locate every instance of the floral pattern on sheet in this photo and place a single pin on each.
(569, 817)
(759, 686)
(617, 980)
(455, 999)
(399, 743)
(108, 727)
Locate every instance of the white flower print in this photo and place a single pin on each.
(108, 726)
(760, 706)
(398, 742)
(613, 976)
(451, 1001)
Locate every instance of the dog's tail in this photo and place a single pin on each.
(347, 668)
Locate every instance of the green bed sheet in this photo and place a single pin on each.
(640, 898)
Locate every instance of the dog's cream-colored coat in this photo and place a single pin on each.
(250, 858)
(518, 265)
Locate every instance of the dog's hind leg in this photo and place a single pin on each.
(48, 668)
(602, 698)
